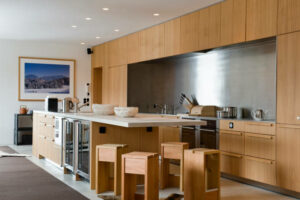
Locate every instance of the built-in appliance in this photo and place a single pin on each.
(58, 132)
(23, 129)
(204, 136)
(76, 146)
(51, 104)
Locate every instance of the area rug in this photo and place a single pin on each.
(20, 179)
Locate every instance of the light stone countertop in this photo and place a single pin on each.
(140, 120)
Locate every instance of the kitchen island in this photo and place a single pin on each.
(140, 133)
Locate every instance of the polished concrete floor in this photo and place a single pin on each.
(230, 190)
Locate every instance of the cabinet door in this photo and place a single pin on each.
(261, 19)
(288, 78)
(172, 37)
(233, 21)
(117, 85)
(117, 52)
(134, 48)
(98, 57)
(209, 27)
(288, 154)
(152, 42)
(288, 16)
(189, 37)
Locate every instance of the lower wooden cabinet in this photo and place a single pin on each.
(232, 163)
(288, 154)
(260, 146)
(260, 170)
(232, 141)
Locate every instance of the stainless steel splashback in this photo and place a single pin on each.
(242, 75)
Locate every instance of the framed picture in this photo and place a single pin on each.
(42, 77)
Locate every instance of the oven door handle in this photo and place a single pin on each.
(208, 130)
(189, 128)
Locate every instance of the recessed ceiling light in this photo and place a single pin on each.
(82, 43)
(116, 30)
(156, 14)
(88, 18)
(74, 26)
(105, 9)
(98, 37)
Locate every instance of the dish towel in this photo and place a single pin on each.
(4, 154)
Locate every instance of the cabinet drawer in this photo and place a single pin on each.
(260, 170)
(232, 141)
(260, 127)
(232, 125)
(261, 146)
(232, 164)
(48, 119)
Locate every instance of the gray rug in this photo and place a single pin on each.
(20, 179)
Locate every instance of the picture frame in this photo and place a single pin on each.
(42, 77)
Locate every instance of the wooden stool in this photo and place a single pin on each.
(140, 163)
(106, 154)
(202, 174)
(175, 151)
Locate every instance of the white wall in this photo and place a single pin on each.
(9, 52)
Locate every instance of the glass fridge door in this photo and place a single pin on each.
(69, 143)
(83, 148)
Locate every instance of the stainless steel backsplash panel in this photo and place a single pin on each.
(242, 75)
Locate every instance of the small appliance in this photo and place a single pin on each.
(51, 104)
(67, 105)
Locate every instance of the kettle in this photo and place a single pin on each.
(257, 114)
(23, 110)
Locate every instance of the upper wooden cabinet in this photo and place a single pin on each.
(117, 52)
(261, 19)
(99, 56)
(288, 154)
(133, 48)
(288, 16)
(288, 78)
(189, 37)
(209, 27)
(233, 21)
(152, 42)
(172, 37)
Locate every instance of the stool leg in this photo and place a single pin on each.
(164, 170)
(151, 180)
(181, 175)
(102, 177)
(128, 186)
(117, 176)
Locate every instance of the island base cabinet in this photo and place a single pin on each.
(232, 164)
(288, 154)
(260, 170)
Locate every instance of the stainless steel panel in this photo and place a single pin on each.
(241, 76)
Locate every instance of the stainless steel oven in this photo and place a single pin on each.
(205, 136)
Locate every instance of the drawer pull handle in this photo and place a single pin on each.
(260, 136)
(232, 133)
(260, 160)
(232, 155)
(298, 118)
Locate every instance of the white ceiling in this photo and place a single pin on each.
(52, 20)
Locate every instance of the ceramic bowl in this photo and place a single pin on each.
(126, 111)
(103, 109)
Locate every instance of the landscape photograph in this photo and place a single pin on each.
(47, 78)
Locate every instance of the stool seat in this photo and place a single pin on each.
(140, 155)
(173, 151)
(105, 155)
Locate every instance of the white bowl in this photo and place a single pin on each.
(126, 111)
(103, 109)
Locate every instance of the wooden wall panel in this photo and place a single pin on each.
(189, 37)
(288, 16)
(133, 48)
(117, 52)
(172, 37)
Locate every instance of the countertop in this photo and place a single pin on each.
(140, 120)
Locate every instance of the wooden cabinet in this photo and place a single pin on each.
(99, 56)
(209, 27)
(261, 19)
(267, 128)
(133, 48)
(152, 42)
(115, 91)
(288, 154)
(232, 164)
(189, 37)
(260, 170)
(232, 141)
(233, 22)
(117, 52)
(288, 16)
(172, 37)
(288, 78)
(260, 146)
